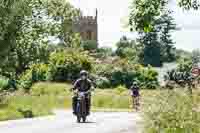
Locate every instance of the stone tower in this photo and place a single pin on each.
(87, 27)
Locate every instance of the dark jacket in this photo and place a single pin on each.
(135, 90)
(83, 85)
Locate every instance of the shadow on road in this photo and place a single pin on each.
(88, 122)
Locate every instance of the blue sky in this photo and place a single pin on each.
(112, 16)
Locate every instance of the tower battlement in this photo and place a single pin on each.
(87, 26)
(86, 20)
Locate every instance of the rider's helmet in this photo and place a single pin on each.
(135, 83)
(83, 73)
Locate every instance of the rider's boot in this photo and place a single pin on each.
(88, 106)
(74, 100)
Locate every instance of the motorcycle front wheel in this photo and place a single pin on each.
(78, 119)
(84, 119)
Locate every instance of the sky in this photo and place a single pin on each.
(113, 14)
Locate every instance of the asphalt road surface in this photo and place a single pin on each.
(65, 122)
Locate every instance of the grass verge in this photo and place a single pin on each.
(44, 97)
(171, 111)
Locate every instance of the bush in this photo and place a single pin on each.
(63, 66)
(124, 73)
(35, 73)
(103, 82)
(104, 52)
(89, 45)
(67, 64)
(120, 89)
(182, 74)
(3, 83)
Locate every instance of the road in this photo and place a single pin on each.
(64, 122)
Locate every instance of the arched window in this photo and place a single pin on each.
(89, 35)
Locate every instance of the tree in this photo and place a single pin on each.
(127, 49)
(166, 25)
(12, 13)
(64, 14)
(189, 4)
(154, 23)
(32, 44)
(151, 52)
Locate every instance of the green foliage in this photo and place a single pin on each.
(182, 54)
(181, 75)
(196, 56)
(103, 82)
(12, 13)
(32, 38)
(120, 89)
(36, 72)
(127, 49)
(166, 25)
(189, 4)
(67, 64)
(170, 111)
(89, 45)
(185, 65)
(154, 23)
(124, 73)
(62, 11)
(3, 83)
(143, 14)
(104, 52)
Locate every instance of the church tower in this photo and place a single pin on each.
(87, 27)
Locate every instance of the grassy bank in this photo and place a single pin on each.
(172, 112)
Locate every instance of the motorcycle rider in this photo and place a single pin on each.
(83, 84)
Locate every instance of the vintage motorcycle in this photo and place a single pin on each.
(81, 108)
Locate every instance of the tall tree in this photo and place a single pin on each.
(189, 4)
(32, 43)
(154, 23)
(12, 13)
(166, 25)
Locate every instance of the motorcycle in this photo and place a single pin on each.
(81, 109)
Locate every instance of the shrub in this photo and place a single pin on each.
(3, 83)
(103, 82)
(36, 72)
(89, 45)
(104, 52)
(124, 73)
(120, 89)
(182, 74)
(67, 64)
